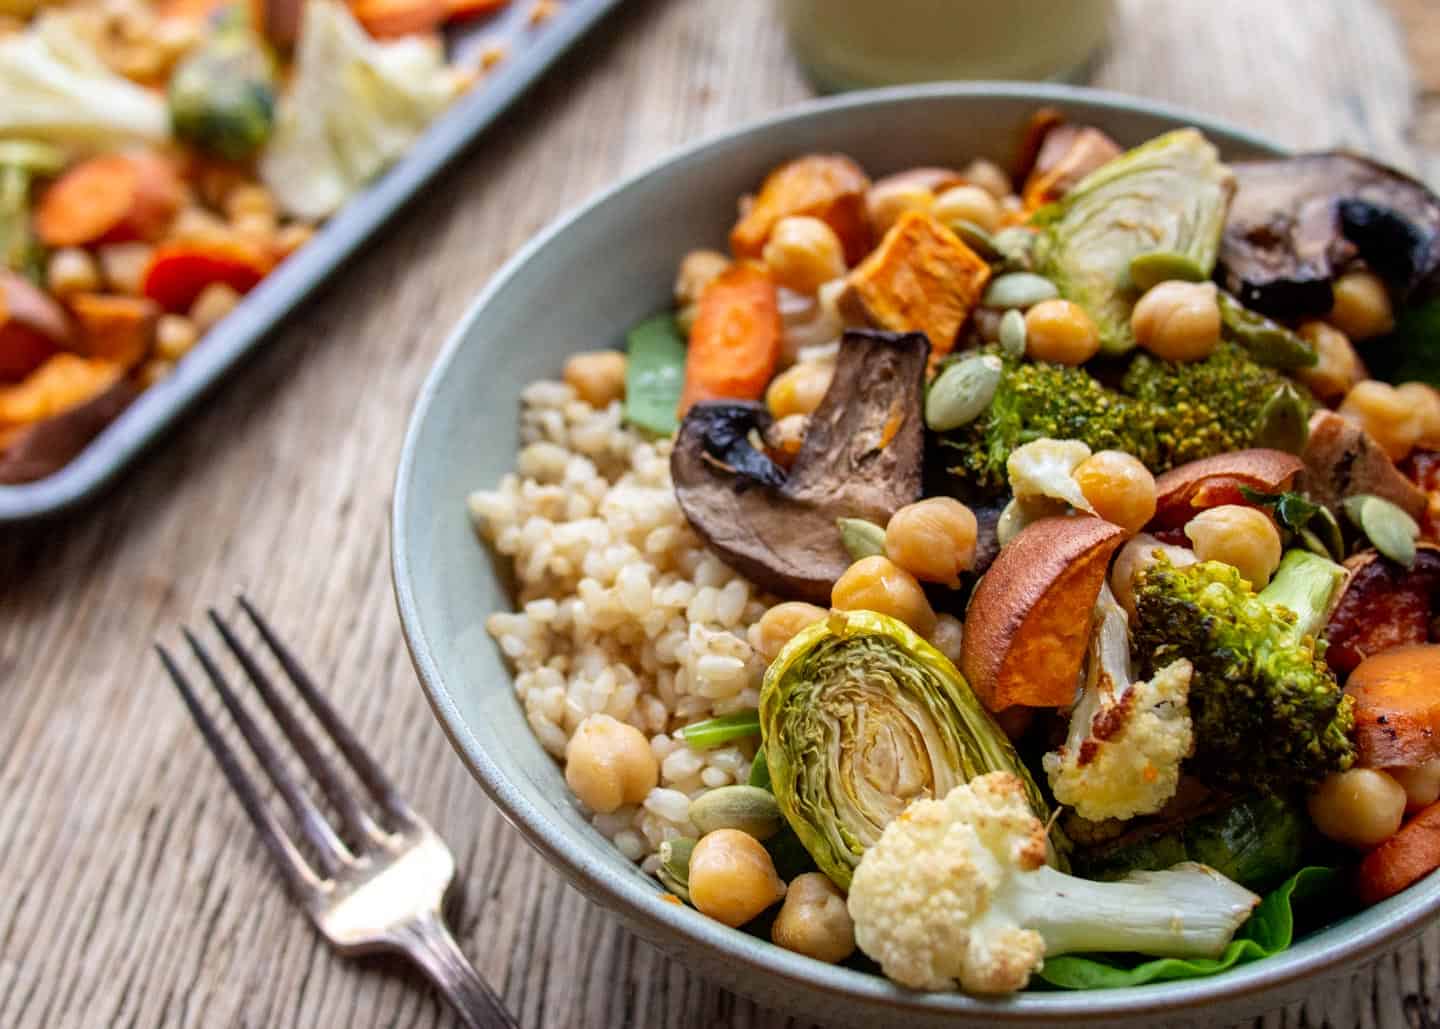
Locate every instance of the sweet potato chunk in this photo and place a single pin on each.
(30, 452)
(61, 383)
(921, 278)
(1067, 154)
(1384, 606)
(1403, 859)
(1213, 481)
(830, 187)
(32, 327)
(114, 328)
(1397, 707)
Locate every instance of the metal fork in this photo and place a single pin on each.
(383, 891)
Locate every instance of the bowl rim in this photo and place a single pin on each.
(641, 905)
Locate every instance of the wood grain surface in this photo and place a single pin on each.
(132, 890)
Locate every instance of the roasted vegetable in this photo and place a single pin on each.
(178, 272)
(1342, 460)
(1183, 492)
(830, 187)
(1267, 342)
(735, 341)
(1066, 155)
(1403, 859)
(21, 163)
(1397, 707)
(654, 374)
(1260, 673)
(33, 327)
(861, 459)
(112, 198)
(1384, 605)
(1170, 194)
(40, 448)
(222, 95)
(860, 716)
(114, 328)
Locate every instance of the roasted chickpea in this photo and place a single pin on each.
(1337, 366)
(214, 302)
(1386, 415)
(71, 270)
(1119, 487)
(782, 623)
(799, 388)
(174, 336)
(804, 253)
(1425, 400)
(732, 878)
(880, 585)
(885, 202)
(1178, 321)
(1360, 808)
(290, 238)
(1059, 331)
(814, 920)
(1238, 536)
(1137, 555)
(946, 637)
(1421, 784)
(122, 266)
(609, 764)
(989, 176)
(598, 377)
(933, 539)
(784, 437)
(971, 204)
(1362, 306)
(698, 269)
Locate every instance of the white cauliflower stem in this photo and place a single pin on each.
(957, 892)
(1127, 739)
(1046, 468)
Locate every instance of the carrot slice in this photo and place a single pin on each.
(114, 328)
(178, 272)
(1403, 859)
(61, 383)
(386, 19)
(735, 341)
(112, 198)
(1397, 706)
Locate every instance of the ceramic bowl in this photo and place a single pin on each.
(579, 285)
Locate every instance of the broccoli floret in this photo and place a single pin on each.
(1266, 709)
(1038, 400)
(1202, 408)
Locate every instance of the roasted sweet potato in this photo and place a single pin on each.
(1342, 460)
(921, 278)
(1066, 155)
(936, 180)
(830, 187)
(1384, 606)
(735, 341)
(114, 328)
(1397, 706)
(1029, 619)
(30, 452)
(389, 19)
(32, 327)
(63, 382)
(1214, 481)
(113, 198)
(1402, 860)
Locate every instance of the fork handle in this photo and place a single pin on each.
(430, 945)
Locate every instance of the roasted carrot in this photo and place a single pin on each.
(461, 10)
(115, 328)
(32, 327)
(1403, 859)
(63, 382)
(112, 198)
(178, 272)
(1397, 706)
(830, 187)
(387, 19)
(735, 341)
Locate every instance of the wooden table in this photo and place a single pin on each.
(134, 892)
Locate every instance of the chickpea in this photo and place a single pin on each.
(1424, 399)
(71, 271)
(947, 636)
(782, 623)
(598, 376)
(1238, 536)
(804, 253)
(249, 198)
(122, 265)
(1384, 413)
(214, 302)
(1178, 321)
(174, 336)
(989, 176)
(698, 269)
(1059, 331)
(1421, 784)
(609, 764)
(784, 438)
(814, 920)
(1337, 367)
(933, 539)
(1137, 555)
(885, 202)
(879, 584)
(1119, 487)
(153, 370)
(732, 878)
(1362, 306)
(799, 388)
(290, 238)
(1361, 808)
(971, 204)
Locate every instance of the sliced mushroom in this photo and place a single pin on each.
(1294, 223)
(861, 458)
(1384, 605)
(1342, 460)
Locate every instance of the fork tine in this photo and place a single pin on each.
(365, 766)
(352, 814)
(293, 867)
(332, 851)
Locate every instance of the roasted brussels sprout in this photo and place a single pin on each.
(860, 716)
(222, 97)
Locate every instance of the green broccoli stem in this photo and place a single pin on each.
(1190, 910)
(1308, 585)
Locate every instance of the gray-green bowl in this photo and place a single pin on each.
(580, 284)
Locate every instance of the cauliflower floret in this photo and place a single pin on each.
(1046, 468)
(1126, 740)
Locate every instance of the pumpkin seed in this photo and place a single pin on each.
(861, 538)
(675, 858)
(977, 239)
(1017, 247)
(963, 392)
(747, 808)
(1019, 289)
(673, 885)
(1325, 527)
(1284, 421)
(1019, 513)
(1147, 270)
(1012, 333)
(1386, 525)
